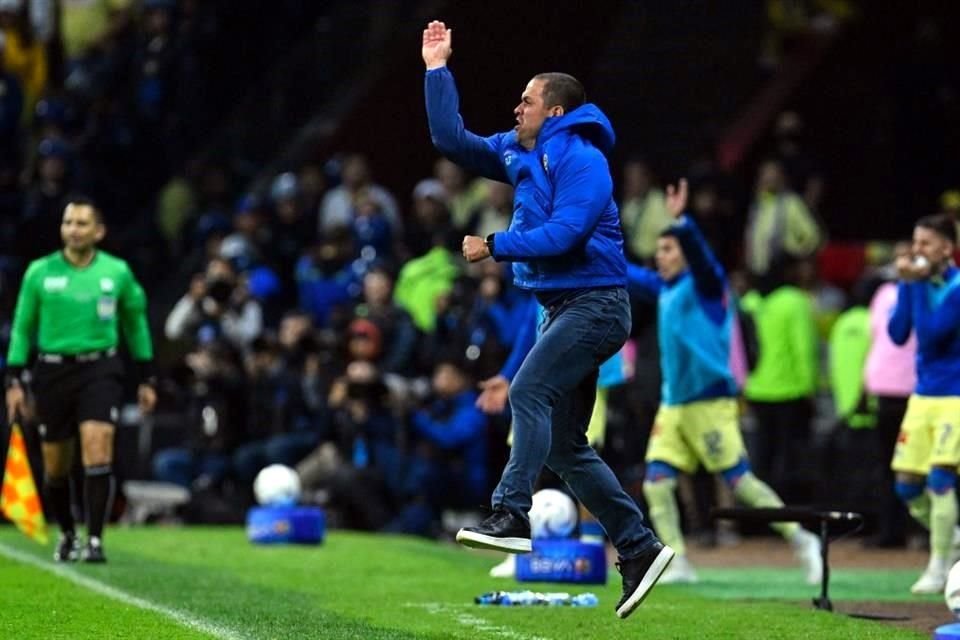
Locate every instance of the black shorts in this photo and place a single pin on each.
(68, 393)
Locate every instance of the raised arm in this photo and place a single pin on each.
(708, 276)
(475, 153)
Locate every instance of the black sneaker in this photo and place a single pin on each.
(502, 531)
(93, 552)
(639, 576)
(68, 549)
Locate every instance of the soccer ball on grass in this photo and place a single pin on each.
(552, 515)
(277, 485)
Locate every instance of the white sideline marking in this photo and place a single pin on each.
(181, 618)
(469, 620)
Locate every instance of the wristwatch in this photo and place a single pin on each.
(489, 243)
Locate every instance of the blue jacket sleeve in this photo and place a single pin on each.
(643, 283)
(475, 153)
(934, 325)
(526, 337)
(463, 425)
(901, 320)
(583, 188)
(708, 275)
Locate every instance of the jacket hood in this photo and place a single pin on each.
(587, 121)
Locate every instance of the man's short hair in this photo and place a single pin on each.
(941, 224)
(561, 89)
(80, 200)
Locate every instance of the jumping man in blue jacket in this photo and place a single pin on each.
(566, 247)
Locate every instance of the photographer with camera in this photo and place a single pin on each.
(217, 304)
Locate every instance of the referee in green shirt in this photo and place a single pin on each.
(69, 305)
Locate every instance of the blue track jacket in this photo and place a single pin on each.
(932, 308)
(694, 322)
(565, 231)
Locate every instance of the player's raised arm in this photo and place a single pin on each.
(437, 45)
(475, 153)
(708, 274)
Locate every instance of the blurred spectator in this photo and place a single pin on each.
(176, 205)
(246, 246)
(424, 279)
(372, 232)
(280, 427)
(465, 325)
(292, 230)
(950, 205)
(781, 386)
(326, 276)
(312, 183)
(217, 304)
(448, 468)
(83, 23)
(431, 218)
(397, 334)
(336, 210)
(854, 486)
(462, 196)
(780, 227)
(11, 109)
(214, 407)
(642, 210)
(45, 199)
(24, 54)
(359, 464)
(891, 377)
(716, 222)
(803, 172)
(495, 210)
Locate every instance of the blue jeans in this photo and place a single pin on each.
(183, 466)
(552, 399)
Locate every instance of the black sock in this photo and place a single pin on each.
(57, 492)
(97, 489)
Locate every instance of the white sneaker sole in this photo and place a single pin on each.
(660, 564)
(480, 541)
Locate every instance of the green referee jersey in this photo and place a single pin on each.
(72, 310)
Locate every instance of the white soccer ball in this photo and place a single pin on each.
(552, 515)
(951, 593)
(277, 485)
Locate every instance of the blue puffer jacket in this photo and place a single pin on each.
(565, 231)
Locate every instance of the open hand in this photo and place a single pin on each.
(676, 199)
(493, 399)
(437, 46)
(146, 398)
(16, 403)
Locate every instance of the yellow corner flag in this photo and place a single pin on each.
(19, 500)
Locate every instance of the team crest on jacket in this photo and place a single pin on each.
(545, 163)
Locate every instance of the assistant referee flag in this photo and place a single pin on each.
(19, 500)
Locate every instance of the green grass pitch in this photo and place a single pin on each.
(211, 583)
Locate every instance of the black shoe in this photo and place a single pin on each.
(68, 549)
(502, 531)
(639, 576)
(93, 552)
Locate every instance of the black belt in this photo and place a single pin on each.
(63, 358)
